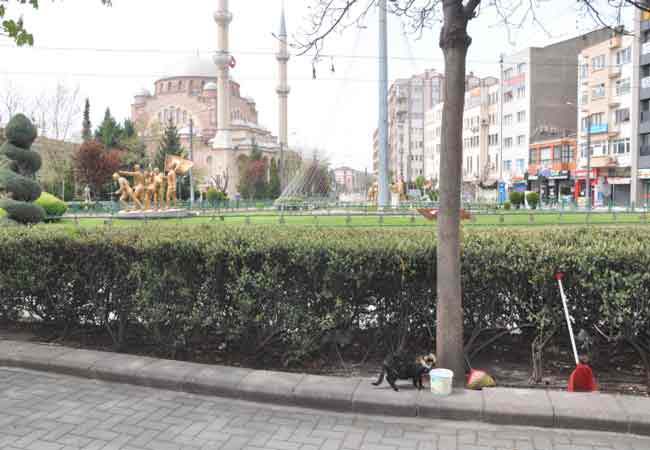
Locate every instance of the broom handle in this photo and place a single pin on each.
(568, 321)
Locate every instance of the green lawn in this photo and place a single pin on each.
(481, 220)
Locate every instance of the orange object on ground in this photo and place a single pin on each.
(432, 214)
(582, 378)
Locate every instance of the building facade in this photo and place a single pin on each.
(604, 118)
(640, 183)
(551, 162)
(408, 100)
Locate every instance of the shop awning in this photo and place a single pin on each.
(619, 180)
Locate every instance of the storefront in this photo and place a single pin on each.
(619, 193)
(580, 187)
(644, 178)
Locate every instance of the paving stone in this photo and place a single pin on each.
(215, 380)
(462, 404)
(638, 412)
(531, 407)
(369, 399)
(594, 411)
(334, 393)
(121, 368)
(267, 386)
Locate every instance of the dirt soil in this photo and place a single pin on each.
(508, 362)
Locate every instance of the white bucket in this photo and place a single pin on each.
(441, 381)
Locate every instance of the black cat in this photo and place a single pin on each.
(405, 367)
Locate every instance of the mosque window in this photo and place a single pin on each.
(191, 84)
(160, 117)
(184, 117)
(180, 85)
(178, 116)
(169, 86)
(209, 162)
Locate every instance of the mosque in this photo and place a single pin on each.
(225, 124)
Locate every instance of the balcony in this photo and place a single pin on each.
(624, 160)
(644, 122)
(614, 71)
(615, 41)
(645, 88)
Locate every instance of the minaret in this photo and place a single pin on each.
(222, 59)
(283, 94)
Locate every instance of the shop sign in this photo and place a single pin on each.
(582, 173)
(533, 177)
(619, 180)
(559, 175)
(644, 174)
(599, 128)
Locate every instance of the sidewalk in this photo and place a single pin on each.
(526, 407)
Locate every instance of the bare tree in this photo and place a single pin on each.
(56, 112)
(328, 16)
(12, 101)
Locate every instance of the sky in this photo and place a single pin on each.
(110, 53)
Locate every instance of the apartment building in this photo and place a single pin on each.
(408, 99)
(604, 117)
(640, 170)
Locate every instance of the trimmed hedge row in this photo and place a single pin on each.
(291, 293)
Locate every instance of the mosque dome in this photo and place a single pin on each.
(211, 86)
(142, 92)
(191, 66)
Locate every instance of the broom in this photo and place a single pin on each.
(582, 377)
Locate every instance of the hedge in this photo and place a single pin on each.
(293, 293)
(54, 207)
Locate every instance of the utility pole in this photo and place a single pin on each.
(588, 178)
(500, 159)
(191, 159)
(383, 200)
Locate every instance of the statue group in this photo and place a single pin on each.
(148, 192)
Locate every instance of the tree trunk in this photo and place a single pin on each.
(454, 43)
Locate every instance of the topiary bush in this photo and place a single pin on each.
(533, 199)
(54, 207)
(516, 199)
(18, 165)
(507, 206)
(215, 196)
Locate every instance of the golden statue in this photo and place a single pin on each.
(399, 188)
(125, 192)
(155, 188)
(175, 165)
(373, 192)
(139, 190)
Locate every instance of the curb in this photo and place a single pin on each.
(525, 407)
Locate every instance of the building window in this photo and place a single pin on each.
(507, 97)
(624, 56)
(622, 115)
(546, 155)
(521, 139)
(567, 153)
(521, 116)
(598, 91)
(521, 67)
(507, 74)
(507, 165)
(584, 98)
(520, 166)
(507, 120)
(621, 146)
(532, 156)
(521, 92)
(507, 142)
(644, 145)
(623, 86)
(584, 71)
(598, 62)
(493, 139)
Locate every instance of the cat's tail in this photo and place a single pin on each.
(381, 378)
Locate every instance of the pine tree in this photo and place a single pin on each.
(109, 132)
(129, 129)
(86, 132)
(170, 144)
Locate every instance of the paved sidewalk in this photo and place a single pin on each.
(44, 411)
(527, 407)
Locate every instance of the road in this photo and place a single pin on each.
(41, 411)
